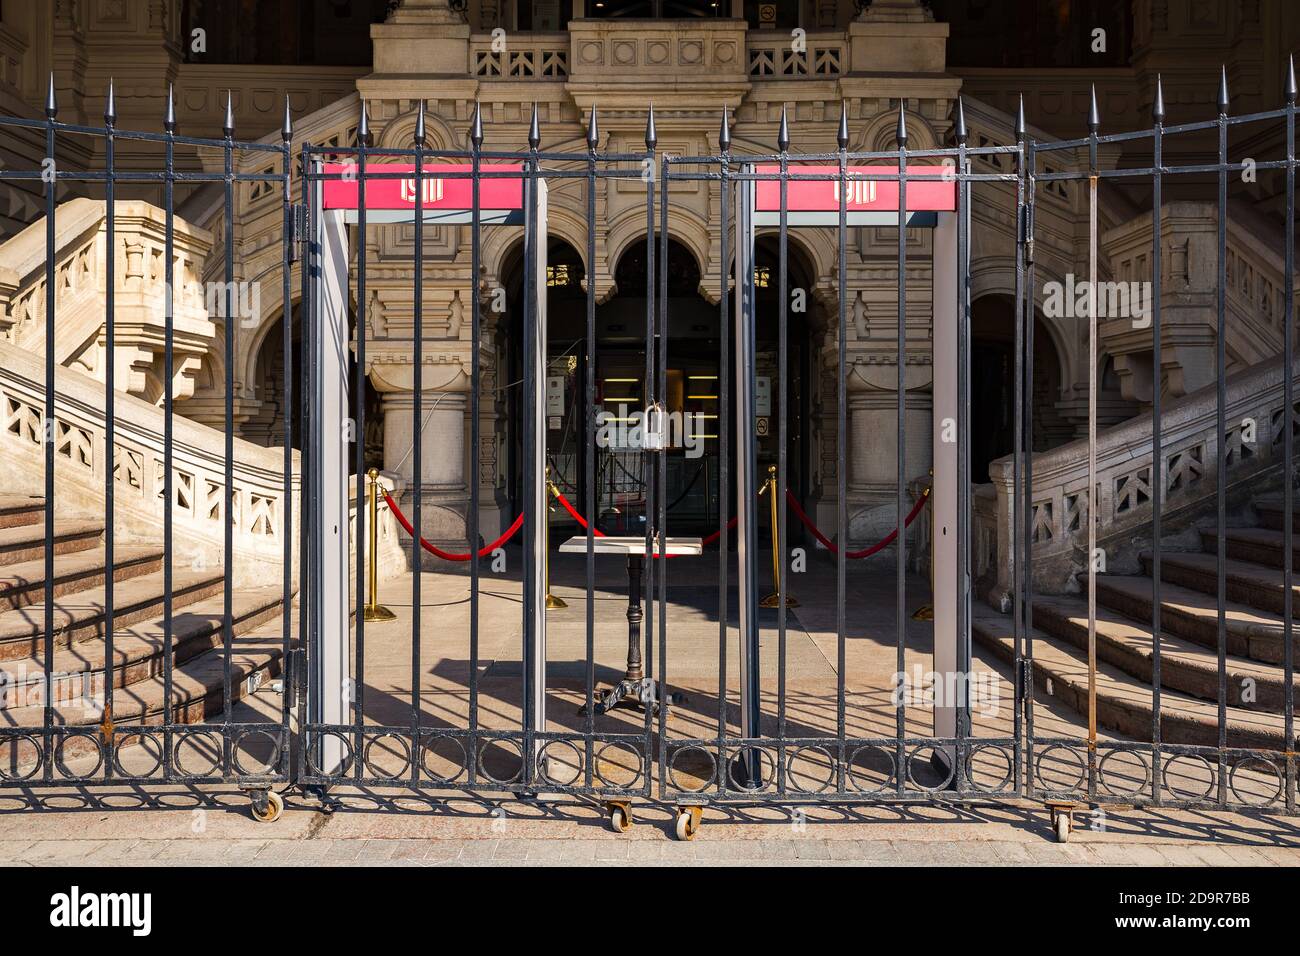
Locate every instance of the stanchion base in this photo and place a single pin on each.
(378, 613)
(924, 613)
(637, 694)
(553, 603)
(774, 600)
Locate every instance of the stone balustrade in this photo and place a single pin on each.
(521, 56)
(1254, 294)
(1190, 445)
(80, 272)
(198, 479)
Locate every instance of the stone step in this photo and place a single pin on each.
(197, 695)
(1269, 508)
(1254, 585)
(17, 510)
(1184, 665)
(1194, 615)
(80, 616)
(24, 583)
(78, 670)
(26, 542)
(1124, 704)
(1258, 545)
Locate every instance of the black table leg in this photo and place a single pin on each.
(634, 617)
(635, 689)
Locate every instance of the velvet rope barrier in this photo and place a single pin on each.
(884, 542)
(573, 513)
(483, 552)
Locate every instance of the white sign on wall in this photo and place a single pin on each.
(555, 396)
(762, 395)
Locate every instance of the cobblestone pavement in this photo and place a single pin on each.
(189, 828)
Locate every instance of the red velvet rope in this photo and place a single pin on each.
(884, 542)
(518, 523)
(574, 514)
(449, 555)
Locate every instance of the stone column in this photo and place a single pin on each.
(442, 484)
(872, 453)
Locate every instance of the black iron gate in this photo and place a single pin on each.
(764, 735)
(140, 679)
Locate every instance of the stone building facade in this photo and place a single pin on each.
(752, 61)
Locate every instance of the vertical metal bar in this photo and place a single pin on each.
(228, 473)
(841, 450)
(648, 174)
(51, 429)
(359, 677)
(589, 413)
(1021, 389)
(1221, 403)
(779, 511)
(661, 486)
(476, 339)
(110, 423)
(665, 757)
(1157, 446)
(1092, 462)
(286, 501)
(417, 436)
(1288, 446)
(169, 372)
(531, 520)
(308, 636)
(724, 422)
(1027, 515)
(900, 492)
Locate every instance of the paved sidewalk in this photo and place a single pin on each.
(192, 828)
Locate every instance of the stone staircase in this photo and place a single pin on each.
(78, 665)
(1189, 671)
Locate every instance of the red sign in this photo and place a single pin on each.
(440, 192)
(929, 189)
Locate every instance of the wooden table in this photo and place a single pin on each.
(635, 689)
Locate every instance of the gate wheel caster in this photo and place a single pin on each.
(1062, 820)
(267, 805)
(688, 823)
(620, 815)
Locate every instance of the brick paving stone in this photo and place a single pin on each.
(1181, 855)
(1279, 856)
(373, 851)
(477, 850)
(409, 850)
(344, 851)
(1011, 853)
(1215, 856)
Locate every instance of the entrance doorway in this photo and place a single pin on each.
(694, 465)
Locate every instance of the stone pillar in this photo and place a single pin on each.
(441, 486)
(872, 453)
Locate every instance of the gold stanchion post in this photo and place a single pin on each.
(552, 602)
(774, 599)
(374, 611)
